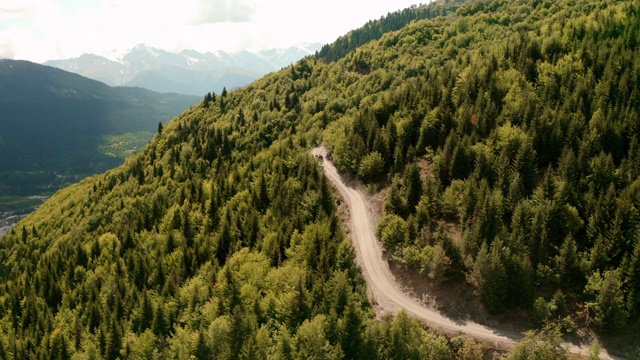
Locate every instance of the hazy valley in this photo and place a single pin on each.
(57, 127)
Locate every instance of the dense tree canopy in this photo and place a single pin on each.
(526, 114)
(514, 121)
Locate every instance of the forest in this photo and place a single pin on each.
(56, 125)
(505, 132)
(516, 125)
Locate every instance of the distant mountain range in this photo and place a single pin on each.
(55, 124)
(186, 72)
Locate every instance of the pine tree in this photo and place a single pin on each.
(263, 200)
(202, 350)
(58, 350)
(230, 293)
(239, 332)
(159, 321)
(396, 203)
(146, 321)
(414, 186)
(568, 264)
(300, 307)
(351, 333)
(545, 345)
(526, 165)
(633, 280)
(602, 218)
(461, 160)
(608, 307)
(490, 276)
(283, 347)
(114, 341)
(224, 242)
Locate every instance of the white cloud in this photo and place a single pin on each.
(16, 8)
(220, 11)
(47, 30)
(6, 50)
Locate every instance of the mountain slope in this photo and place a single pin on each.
(55, 122)
(511, 145)
(168, 78)
(112, 73)
(375, 29)
(507, 130)
(185, 72)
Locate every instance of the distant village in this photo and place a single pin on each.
(8, 220)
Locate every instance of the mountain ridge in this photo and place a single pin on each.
(54, 121)
(134, 67)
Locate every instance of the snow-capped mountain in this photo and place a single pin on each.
(188, 71)
(284, 57)
(95, 67)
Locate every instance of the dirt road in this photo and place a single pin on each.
(382, 286)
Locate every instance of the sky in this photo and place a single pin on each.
(40, 30)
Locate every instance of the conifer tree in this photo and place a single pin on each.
(414, 186)
(159, 321)
(202, 350)
(147, 315)
(59, 350)
(608, 307)
(633, 280)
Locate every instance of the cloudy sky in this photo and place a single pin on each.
(40, 30)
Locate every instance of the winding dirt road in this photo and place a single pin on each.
(381, 282)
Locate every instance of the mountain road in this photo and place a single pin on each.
(383, 288)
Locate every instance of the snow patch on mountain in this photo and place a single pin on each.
(215, 69)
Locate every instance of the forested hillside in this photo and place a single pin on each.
(55, 123)
(374, 29)
(219, 240)
(514, 122)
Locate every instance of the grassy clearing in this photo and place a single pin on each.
(122, 146)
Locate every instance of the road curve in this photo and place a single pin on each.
(381, 282)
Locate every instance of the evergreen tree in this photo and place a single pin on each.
(238, 332)
(568, 264)
(546, 345)
(147, 316)
(351, 333)
(114, 341)
(159, 321)
(59, 350)
(490, 277)
(633, 281)
(414, 186)
(202, 350)
(608, 308)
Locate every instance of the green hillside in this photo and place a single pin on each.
(374, 29)
(506, 133)
(57, 123)
(516, 125)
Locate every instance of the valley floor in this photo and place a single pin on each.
(7, 221)
(17, 208)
